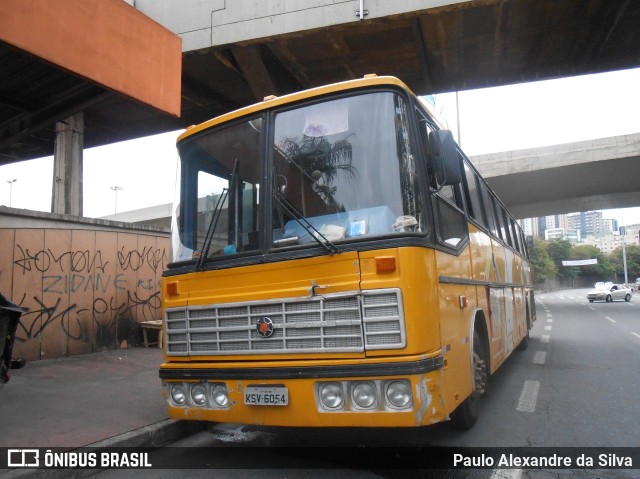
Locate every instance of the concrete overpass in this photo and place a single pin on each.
(236, 52)
(98, 58)
(567, 178)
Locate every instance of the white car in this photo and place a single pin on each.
(609, 292)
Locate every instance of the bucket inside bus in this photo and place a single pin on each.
(9, 319)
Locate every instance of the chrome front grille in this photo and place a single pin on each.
(343, 322)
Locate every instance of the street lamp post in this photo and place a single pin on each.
(623, 233)
(11, 182)
(116, 189)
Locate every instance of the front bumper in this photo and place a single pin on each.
(389, 406)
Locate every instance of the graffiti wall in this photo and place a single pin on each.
(84, 290)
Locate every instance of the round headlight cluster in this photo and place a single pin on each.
(398, 394)
(178, 395)
(199, 394)
(220, 395)
(331, 395)
(364, 394)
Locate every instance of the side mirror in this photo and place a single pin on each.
(446, 163)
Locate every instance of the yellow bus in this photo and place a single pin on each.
(337, 261)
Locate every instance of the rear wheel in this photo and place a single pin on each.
(466, 414)
(627, 298)
(609, 298)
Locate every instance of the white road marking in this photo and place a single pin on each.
(592, 308)
(540, 357)
(544, 338)
(635, 334)
(528, 396)
(548, 328)
(549, 320)
(609, 319)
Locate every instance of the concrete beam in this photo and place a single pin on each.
(207, 23)
(581, 176)
(556, 156)
(105, 41)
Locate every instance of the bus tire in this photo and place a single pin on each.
(466, 414)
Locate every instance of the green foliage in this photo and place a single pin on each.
(633, 263)
(546, 262)
(559, 251)
(603, 271)
(542, 266)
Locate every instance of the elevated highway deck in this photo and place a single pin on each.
(580, 176)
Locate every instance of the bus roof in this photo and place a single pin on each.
(275, 101)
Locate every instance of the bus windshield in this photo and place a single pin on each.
(337, 171)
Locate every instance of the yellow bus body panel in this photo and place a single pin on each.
(439, 317)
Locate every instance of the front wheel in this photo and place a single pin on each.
(627, 298)
(466, 414)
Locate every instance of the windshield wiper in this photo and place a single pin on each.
(308, 227)
(217, 212)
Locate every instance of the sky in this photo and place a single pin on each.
(492, 120)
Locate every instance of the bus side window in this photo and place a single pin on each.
(487, 201)
(426, 149)
(515, 235)
(451, 224)
(507, 225)
(472, 193)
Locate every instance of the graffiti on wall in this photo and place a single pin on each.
(88, 298)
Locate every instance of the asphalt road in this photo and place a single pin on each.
(576, 386)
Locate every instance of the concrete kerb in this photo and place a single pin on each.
(155, 435)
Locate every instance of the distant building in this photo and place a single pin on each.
(529, 226)
(592, 223)
(589, 223)
(609, 243)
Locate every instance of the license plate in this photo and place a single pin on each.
(266, 395)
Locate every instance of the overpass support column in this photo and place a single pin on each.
(67, 166)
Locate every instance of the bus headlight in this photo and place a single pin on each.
(220, 395)
(198, 394)
(331, 395)
(398, 394)
(363, 394)
(178, 395)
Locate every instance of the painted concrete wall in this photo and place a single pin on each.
(86, 283)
